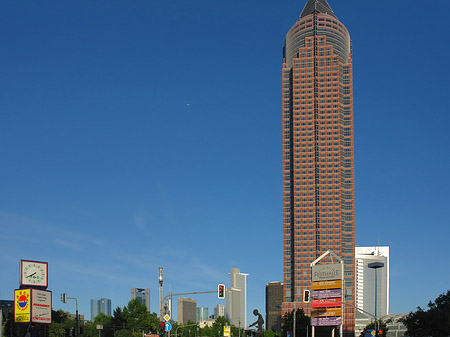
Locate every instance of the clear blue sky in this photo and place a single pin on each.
(138, 134)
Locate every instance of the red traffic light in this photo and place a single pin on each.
(380, 332)
(221, 291)
(162, 326)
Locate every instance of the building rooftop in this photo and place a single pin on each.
(320, 6)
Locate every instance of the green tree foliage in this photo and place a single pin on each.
(123, 333)
(90, 329)
(302, 323)
(432, 322)
(137, 317)
(271, 333)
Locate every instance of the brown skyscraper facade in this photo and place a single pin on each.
(318, 165)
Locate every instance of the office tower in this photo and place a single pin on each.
(274, 300)
(187, 310)
(143, 295)
(219, 311)
(236, 299)
(318, 179)
(102, 305)
(202, 314)
(365, 280)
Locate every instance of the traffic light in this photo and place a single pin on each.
(64, 297)
(306, 296)
(162, 328)
(380, 332)
(221, 291)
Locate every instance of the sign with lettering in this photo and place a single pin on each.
(327, 293)
(323, 312)
(327, 272)
(22, 305)
(41, 306)
(337, 284)
(325, 303)
(326, 321)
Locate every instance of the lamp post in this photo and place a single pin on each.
(160, 279)
(375, 266)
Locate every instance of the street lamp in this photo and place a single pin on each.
(375, 266)
(160, 279)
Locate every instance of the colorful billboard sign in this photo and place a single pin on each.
(336, 284)
(32, 305)
(323, 312)
(324, 303)
(22, 305)
(41, 306)
(327, 272)
(326, 321)
(327, 293)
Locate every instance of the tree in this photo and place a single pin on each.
(302, 323)
(90, 329)
(432, 322)
(138, 318)
(123, 333)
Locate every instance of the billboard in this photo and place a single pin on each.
(326, 321)
(337, 284)
(326, 295)
(32, 305)
(327, 272)
(41, 306)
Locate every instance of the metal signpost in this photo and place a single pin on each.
(327, 293)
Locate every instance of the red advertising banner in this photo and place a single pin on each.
(326, 303)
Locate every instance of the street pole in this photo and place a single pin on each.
(77, 330)
(375, 266)
(294, 327)
(160, 279)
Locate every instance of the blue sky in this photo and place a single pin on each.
(138, 134)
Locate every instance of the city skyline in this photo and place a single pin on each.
(125, 144)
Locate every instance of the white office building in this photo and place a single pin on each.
(365, 280)
(236, 299)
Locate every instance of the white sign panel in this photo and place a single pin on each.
(326, 272)
(41, 306)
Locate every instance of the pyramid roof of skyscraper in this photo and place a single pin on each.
(320, 6)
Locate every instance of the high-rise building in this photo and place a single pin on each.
(274, 300)
(318, 175)
(143, 295)
(219, 311)
(202, 314)
(187, 310)
(236, 299)
(102, 305)
(365, 280)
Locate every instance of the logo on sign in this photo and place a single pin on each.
(326, 272)
(23, 300)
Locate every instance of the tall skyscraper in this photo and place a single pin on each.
(202, 314)
(143, 295)
(236, 299)
(274, 300)
(318, 178)
(187, 310)
(102, 305)
(365, 280)
(219, 311)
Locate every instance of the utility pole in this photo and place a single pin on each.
(160, 279)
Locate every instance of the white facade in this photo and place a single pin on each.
(365, 280)
(236, 306)
(219, 311)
